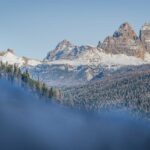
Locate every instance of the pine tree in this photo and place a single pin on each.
(44, 90)
(50, 93)
(25, 76)
(13, 73)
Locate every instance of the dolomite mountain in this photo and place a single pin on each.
(145, 36)
(70, 65)
(66, 50)
(124, 41)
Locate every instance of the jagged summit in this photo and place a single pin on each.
(62, 49)
(125, 30)
(65, 44)
(124, 41)
(145, 36)
(66, 50)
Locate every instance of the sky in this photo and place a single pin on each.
(34, 27)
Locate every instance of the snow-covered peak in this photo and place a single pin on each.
(63, 45)
(9, 57)
(66, 50)
(61, 51)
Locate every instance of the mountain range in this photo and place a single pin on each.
(70, 65)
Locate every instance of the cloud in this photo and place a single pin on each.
(29, 123)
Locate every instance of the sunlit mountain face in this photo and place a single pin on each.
(29, 123)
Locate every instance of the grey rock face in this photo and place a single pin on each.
(61, 50)
(66, 50)
(145, 36)
(124, 41)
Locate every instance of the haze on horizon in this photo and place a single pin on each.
(34, 27)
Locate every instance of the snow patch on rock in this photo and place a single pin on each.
(10, 58)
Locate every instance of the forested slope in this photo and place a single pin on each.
(131, 90)
(22, 79)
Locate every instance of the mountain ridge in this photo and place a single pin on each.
(123, 41)
(80, 64)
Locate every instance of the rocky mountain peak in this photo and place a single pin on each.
(10, 51)
(124, 41)
(63, 45)
(125, 31)
(67, 51)
(145, 36)
(61, 51)
(125, 26)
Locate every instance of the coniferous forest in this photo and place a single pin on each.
(130, 89)
(14, 74)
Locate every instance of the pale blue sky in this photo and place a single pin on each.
(34, 27)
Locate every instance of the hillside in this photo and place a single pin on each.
(123, 89)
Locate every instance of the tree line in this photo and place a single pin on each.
(14, 74)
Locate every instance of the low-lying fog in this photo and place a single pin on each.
(29, 123)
